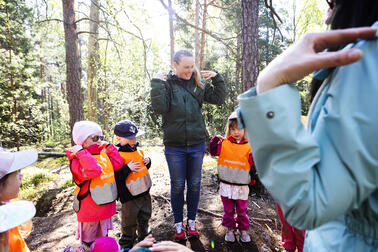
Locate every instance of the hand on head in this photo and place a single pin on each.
(207, 75)
(147, 242)
(161, 76)
(168, 246)
(307, 56)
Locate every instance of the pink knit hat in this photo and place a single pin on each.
(105, 244)
(83, 129)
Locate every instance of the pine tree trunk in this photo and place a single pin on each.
(93, 60)
(73, 71)
(250, 58)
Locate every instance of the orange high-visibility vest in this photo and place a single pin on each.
(103, 189)
(233, 165)
(136, 182)
(16, 242)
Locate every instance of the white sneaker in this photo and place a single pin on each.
(178, 227)
(230, 236)
(244, 237)
(192, 224)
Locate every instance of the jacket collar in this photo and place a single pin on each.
(127, 147)
(232, 140)
(95, 149)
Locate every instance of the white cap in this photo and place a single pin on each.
(15, 213)
(83, 129)
(233, 115)
(13, 161)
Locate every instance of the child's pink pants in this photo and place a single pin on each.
(230, 207)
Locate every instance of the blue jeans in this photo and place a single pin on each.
(185, 164)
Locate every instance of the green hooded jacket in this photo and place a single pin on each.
(180, 103)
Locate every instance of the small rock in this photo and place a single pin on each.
(265, 248)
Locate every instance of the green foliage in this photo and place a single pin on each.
(34, 180)
(19, 98)
(50, 163)
(132, 50)
(68, 183)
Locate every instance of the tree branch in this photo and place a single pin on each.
(274, 14)
(48, 20)
(224, 7)
(211, 34)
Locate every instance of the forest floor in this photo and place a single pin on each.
(55, 222)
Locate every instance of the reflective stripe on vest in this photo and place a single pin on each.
(136, 182)
(233, 165)
(103, 189)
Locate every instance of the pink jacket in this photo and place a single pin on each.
(84, 167)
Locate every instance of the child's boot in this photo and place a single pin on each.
(244, 237)
(126, 242)
(143, 230)
(230, 236)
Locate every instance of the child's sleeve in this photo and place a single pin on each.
(252, 171)
(215, 146)
(84, 166)
(114, 156)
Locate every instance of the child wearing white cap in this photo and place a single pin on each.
(93, 163)
(15, 213)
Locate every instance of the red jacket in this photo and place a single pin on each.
(85, 167)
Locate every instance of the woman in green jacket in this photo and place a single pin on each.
(325, 177)
(179, 97)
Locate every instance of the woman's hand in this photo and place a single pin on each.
(147, 242)
(306, 56)
(207, 75)
(168, 246)
(162, 76)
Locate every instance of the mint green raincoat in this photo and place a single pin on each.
(325, 177)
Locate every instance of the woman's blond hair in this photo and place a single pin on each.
(197, 75)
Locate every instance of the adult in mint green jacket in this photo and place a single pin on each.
(179, 99)
(324, 177)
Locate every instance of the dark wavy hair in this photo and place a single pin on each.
(348, 14)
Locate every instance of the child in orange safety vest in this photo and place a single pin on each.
(93, 163)
(236, 170)
(134, 183)
(15, 213)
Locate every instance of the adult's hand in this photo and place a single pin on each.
(307, 56)
(161, 76)
(168, 246)
(207, 75)
(147, 242)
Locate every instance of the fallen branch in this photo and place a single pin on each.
(201, 210)
(52, 154)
